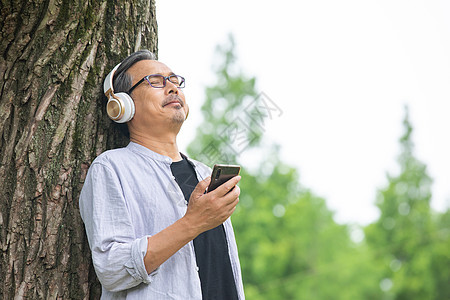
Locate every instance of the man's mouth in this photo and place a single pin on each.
(173, 100)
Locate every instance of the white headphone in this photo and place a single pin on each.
(120, 106)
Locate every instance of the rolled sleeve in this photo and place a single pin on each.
(135, 266)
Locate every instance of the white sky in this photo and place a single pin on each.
(341, 71)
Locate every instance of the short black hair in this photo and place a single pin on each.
(122, 81)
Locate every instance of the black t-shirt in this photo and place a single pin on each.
(211, 249)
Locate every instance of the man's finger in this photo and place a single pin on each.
(201, 186)
(227, 186)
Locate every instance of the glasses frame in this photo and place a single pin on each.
(165, 78)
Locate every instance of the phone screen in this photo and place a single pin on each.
(221, 174)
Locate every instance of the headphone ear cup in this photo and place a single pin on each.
(129, 108)
(120, 108)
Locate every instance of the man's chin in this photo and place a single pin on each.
(178, 118)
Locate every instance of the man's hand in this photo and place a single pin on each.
(204, 212)
(207, 211)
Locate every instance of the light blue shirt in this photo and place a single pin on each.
(130, 194)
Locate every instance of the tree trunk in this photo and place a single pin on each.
(55, 55)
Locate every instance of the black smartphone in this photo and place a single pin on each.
(221, 174)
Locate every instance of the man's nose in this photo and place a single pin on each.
(172, 88)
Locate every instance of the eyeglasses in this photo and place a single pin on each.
(159, 81)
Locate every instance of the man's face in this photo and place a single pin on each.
(156, 108)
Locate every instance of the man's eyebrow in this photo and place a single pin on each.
(171, 73)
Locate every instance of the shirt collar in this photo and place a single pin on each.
(154, 155)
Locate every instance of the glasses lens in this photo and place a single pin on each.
(156, 81)
(177, 80)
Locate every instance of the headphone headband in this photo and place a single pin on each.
(108, 88)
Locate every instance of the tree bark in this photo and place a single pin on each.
(55, 55)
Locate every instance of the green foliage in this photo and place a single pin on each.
(405, 240)
(289, 245)
(224, 103)
(440, 264)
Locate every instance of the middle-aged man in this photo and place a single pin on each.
(153, 231)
